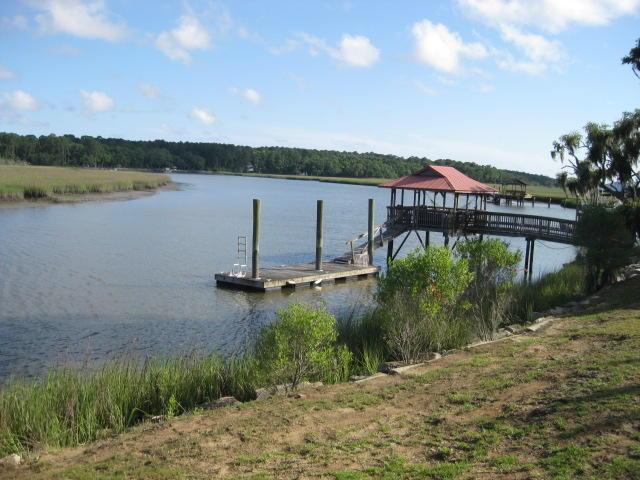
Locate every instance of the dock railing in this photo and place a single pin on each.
(460, 221)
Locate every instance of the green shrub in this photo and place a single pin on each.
(494, 271)
(422, 298)
(302, 345)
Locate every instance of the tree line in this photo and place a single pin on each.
(87, 151)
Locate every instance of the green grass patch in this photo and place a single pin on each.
(23, 182)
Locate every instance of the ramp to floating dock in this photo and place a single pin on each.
(299, 275)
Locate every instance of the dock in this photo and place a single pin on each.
(297, 276)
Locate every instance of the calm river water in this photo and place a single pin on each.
(95, 281)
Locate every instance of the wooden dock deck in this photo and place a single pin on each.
(298, 275)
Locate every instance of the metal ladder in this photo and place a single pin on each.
(240, 267)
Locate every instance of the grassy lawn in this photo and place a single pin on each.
(562, 403)
(20, 182)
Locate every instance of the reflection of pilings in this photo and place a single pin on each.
(255, 269)
(319, 212)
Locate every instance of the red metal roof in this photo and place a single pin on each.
(441, 179)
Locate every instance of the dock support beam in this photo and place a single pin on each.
(255, 268)
(319, 212)
(370, 231)
(389, 252)
(528, 259)
(533, 244)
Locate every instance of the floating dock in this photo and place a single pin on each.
(299, 275)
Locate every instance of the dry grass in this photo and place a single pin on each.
(562, 403)
(21, 182)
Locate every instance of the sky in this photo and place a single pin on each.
(488, 81)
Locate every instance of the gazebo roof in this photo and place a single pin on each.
(439, 178)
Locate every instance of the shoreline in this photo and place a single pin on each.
(118, 196)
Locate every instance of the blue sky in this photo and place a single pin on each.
(490, 81)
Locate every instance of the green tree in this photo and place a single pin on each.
(301, 345)
(607, 242)
(494, 270)
(633, 59)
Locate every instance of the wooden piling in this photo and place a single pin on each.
(533, 244)
(319, 214)
(255, 268)
(526, 259)
(370, 231)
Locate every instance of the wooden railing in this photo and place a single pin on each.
(481, 221)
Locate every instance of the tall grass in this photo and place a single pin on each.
(23, 182)
(364, 335)
(68, 407)
(549, 291)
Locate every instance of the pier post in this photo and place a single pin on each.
(389, 251)
(526, 259)
(533, 244)
(319, 209)
(255, 269)
(370, 231)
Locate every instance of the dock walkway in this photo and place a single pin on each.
(298, 275)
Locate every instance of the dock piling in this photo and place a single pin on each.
(319, 214)
(255, 268)
(370, 231)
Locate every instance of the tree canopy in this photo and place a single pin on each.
(68, 150)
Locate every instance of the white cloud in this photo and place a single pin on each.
(248, 94)
(95, 102)
(21, 101)
(353, 50)
(424, 88)
(539, 52)
(81, 18)
(5, 73)
(549, 15)
(442, 49)
(358, 51)
(189, 35)
(204, 115)
(149, 90)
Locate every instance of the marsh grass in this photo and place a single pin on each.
(549, 291)
(23, 182)
(70, 407)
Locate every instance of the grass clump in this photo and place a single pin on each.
(24, 182)
(550, 290)
(69, 407)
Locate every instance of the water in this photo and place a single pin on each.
(95, 281)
